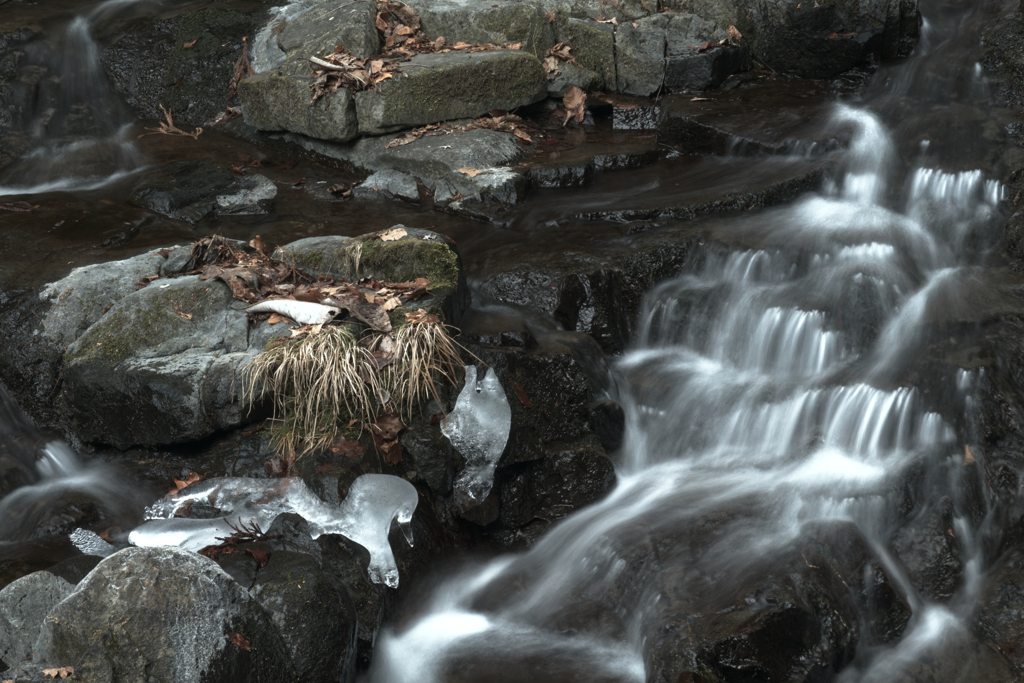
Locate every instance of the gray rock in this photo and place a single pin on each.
(500, 21)
(275, 101)
(162, 366)
(640, 59)
(167, 614)
(192, 191)
(23, 606)
(421, 253)
(313, 614)
(388, 185)
(176, 260)
(453, 85)
(686, 69)
(593, 47)
(432, 456)
(78, 300)
(253, 197)
(435, 162)
(571, 75)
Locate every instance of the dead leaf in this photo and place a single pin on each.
(461, 46)
(239, 640)
(109, 533)
(420, 316)
(298, 183)
(59, 672)
(388, 426)
(276, 318)
(550, 16)
(188, 45)
(168, 128)
(192, 478)
(261, 558)
(392, 451)
(968, 456)
(522, 135)
(471, 172)
(700, 99)
(734, 34)
(575, 105)
(350, 448)
(521, 394)
(393, 234)
(404, 31)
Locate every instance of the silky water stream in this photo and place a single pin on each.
(764, 399)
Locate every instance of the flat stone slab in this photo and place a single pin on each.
(451, 85)
(274, 101)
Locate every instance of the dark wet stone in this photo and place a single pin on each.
(999, 616)
(926, 547)
(290, 532)
(148, 64)
(388, 185)
(23, 606)
(194, 190)
(347, 561)
(312, 613)
(608, 422)
(431, 455)
(74, 569)
(569, 477)
(126, 614)
(561, 176)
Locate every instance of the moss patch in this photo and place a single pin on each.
(409, 259)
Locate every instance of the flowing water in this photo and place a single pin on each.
(764, 388)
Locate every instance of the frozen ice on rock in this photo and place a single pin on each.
(372, 503)
(365, 516)
(478, 428)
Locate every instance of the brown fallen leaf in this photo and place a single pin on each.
(109, 533)
(521, 394)
(575, 105)
(298, 183)
(276, 318)
(734, 34)
(472, 172)
(522, 135)
(188, 45)
(388, 426)
(420, 316)
(700, 99)
(393, 235)
(240, 641)
(350, 448)
(261, 558)
(59, 672)
(192, 478)
(392, 452)
(968, 456)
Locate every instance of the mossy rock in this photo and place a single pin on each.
(420, 253)
(453, 85)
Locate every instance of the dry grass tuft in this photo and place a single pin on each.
(322, 381)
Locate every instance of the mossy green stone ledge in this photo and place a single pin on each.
(277, 102)
(421, 253)
(451, 85)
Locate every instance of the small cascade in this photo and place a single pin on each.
(81, 128)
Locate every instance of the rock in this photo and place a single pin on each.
(252, 197)
(821, 40)
(608, 422)
(639, 59)
(593, 47)
(75, 568)
(562, 176)
(23, 606)
(136, 614)
(78, 300)
(421, 253)
(444, 86)
(435, 161)
(388, 185)
(309, 28)
(160, 366)
(347, 561)
(930, 555)
(999, 616)
(312, 613)
(792, 617)
(148, 64)
(432, 456)
(501, 21)
(275, 101)
(570, 476)
(687, 69)
(573, 76)
(194, 190)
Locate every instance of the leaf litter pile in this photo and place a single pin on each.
(399, 27)
(344, 364)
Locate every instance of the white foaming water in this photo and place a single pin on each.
(373, 502)
(763, 389)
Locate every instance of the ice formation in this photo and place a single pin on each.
(365, 516)
(478, 428)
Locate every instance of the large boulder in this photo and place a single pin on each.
(23, 606)
(135, 617)
(453, 85)
(275, 101)
(194, 190)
